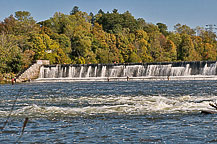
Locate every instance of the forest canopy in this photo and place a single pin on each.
(111, 37)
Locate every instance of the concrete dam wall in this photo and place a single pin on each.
(133, 70)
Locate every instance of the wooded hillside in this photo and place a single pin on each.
(111, 37)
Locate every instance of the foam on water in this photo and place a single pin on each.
(103, 105)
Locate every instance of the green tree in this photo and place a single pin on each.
(99, 45)
(26, 24)
(163, 29)
(175, 38)
(184, 29)
(141, 44)
(151, 28)
(115, 22)
(124, 46)
(101, 12)
(198, 46)
(134, 58)
(170, 51)
(186, 51)
(74, 10)
(9, 54)
(79, 32)
(156, 48)
(8, 25)
(141, 24)
(46, 48)
(209, 52)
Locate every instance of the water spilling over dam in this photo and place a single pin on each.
(134, 70)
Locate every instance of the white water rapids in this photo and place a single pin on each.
(117, 105)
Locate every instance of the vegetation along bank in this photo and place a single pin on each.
(105, 37)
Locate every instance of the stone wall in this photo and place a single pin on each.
(32, 72)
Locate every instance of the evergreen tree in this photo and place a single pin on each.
(74, 10)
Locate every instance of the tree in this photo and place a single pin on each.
(141, 44)
(207, 36)
(26, 24)
(115, 11)
(156, 48)
(163, 29)
(123, 45)
(186, 49)
(101, 12)
(99, 45)
(15, 64)
(141, 24)
(134, 58)
(23, 15)
(115, 22)
(151, 28)
(46, 48)
(92, 18)
(175, 38)
(198, 46)
(78, 29)
(101, 38)
(209, 52)
(129, 21)
(74, 10)
(27, 58)
(170, 51)
(8, 25)
(9, 54)
(184, 29)
(57, 23)
(114, 52)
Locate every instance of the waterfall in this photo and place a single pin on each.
(140, 71)
(71, 72)
(211, 70)
(81, 71)
(88, 71)
(103, 71)
(129, 70)
(95, 71)
(116, 71)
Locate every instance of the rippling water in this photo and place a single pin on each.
(109, 112)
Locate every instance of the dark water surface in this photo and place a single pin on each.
(109, 112)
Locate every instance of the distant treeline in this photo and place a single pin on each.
(110, 37)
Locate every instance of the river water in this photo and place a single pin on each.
(109, 112)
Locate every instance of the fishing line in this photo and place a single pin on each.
(23, 128)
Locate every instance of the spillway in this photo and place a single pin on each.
(197, 69)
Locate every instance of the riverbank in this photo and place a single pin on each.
(4, 82)
(6, 78)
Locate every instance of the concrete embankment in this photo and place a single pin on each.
(32, 72)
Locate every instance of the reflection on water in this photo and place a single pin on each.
(110, 112)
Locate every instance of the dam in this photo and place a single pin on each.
(135, 71)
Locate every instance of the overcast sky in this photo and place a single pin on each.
(190, 12)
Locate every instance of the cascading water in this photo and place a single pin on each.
(91, 71)
(103, 71)
(88, 71)
(211, 70)
(81, 72)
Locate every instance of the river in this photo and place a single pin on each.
(109, 112)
